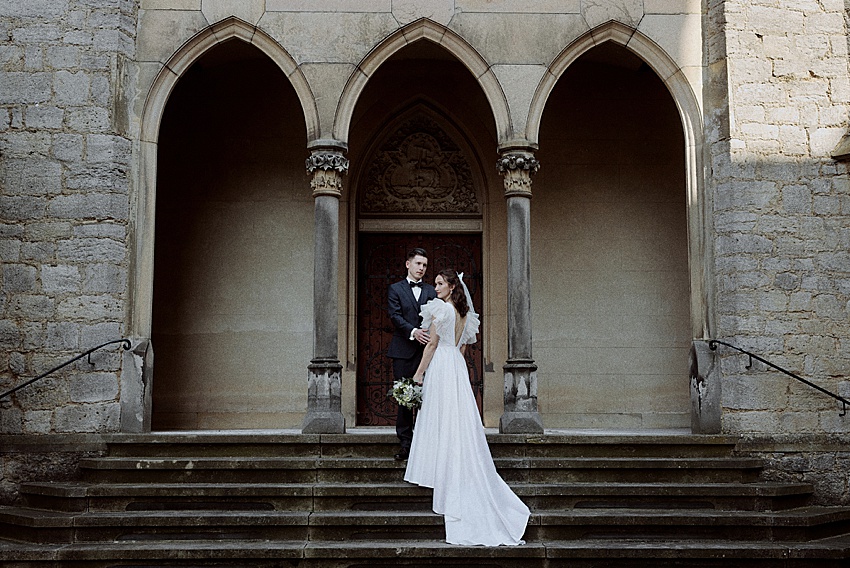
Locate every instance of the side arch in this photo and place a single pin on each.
(142, 247)
(423, 30)
(227, 29)
(699, 242)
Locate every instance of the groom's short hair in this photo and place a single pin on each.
(416, 252)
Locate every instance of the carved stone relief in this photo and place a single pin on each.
(419, 169)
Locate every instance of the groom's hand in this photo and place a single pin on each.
(421, 336)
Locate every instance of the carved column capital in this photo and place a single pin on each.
(327, 160)
(517, 167)
(327, 167)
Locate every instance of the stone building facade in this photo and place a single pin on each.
(636, 177)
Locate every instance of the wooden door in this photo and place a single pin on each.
(381, 262)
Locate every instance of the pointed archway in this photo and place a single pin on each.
(420, 131)
(233, 255)
(610, 249)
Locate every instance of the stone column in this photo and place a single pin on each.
(521, 415)
(324, 374)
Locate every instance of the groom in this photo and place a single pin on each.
(406, 299)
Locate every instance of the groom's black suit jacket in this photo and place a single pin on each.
(404, 313)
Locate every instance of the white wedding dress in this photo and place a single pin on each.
(450, 452)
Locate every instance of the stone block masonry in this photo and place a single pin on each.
(781, 212)
(64, 208)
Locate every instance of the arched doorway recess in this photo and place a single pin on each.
(610, 258)
(232, 300)
(418, 130)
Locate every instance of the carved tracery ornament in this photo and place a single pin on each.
(419, 169)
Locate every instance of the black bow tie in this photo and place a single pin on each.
(415, 284)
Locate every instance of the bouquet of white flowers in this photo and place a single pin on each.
(406, 393)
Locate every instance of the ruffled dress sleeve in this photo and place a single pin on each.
(470, 329)
(432, 312)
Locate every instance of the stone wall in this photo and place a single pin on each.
(821, 460)
(65, 165)
(777, 93)
(30, 458)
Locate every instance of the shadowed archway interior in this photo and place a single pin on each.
(609, 249)
(232, 313)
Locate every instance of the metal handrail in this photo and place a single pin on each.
(125, 344)
(712, 344)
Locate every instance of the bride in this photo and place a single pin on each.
(449, 452)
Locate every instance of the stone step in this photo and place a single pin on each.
(285, 499)
(370, 444)
(612, 553)
(40, 526)
(365, 470)
(79, 497)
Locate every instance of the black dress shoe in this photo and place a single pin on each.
(402, 454)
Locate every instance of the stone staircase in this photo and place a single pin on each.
(277, 499)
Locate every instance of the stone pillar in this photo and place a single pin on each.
(705, 388)
(521, 415)
(137, 386)
(324, 374)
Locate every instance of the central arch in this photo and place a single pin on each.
(422, 126)
(423, 30)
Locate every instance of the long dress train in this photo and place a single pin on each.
(450, 452)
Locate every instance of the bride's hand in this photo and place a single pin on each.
(417, 379)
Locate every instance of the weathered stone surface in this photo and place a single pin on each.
(597, 12)
(60, 279)
(47, 231)
(50, 117)
(94, 387)
(21, 208)
(10, 335)
(63, 336)
(18, 278)
(89, 308)
(20, 87)
(98, 417)
(31, 306)
(90, 249)
(107, 230)
(88, 119)
(38, 252)
(99, 333)
(71, 88)
(68, 147)
(105, 278)
(90, 206)
(34, 8)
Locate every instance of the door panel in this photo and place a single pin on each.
(381, 262)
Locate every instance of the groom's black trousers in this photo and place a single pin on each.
(404, 421)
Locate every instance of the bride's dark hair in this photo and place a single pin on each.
(458, 298)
